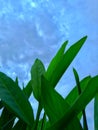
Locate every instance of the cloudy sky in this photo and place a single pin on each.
(31, 29)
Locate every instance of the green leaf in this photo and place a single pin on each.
(20, 125)
(1, 105)
(16, 81)
(56, 60)
(85, 126)
(63, 63)
(7, 119)
(73, 95)
(38, 116)
(28, 89)
(96, 112)
(52, 101)
(15, 99)
(55, 106)
(37, 71)
(86, 96)
(43, 124)
(77, 80)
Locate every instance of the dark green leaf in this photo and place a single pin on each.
(52, 101)
(61, 66)
(1, 105)
(73, 95)
(96, 112)
(77, 80)
(37, 116)
(86, 96)
(85, 126)
(20, 125)
(43, 125)
(28, 89)
(15, 99)
(7, 119)
(16, 81)
(55, 106)
(37, 71)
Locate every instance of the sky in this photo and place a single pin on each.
(31, 29)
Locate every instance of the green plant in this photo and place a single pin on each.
(59, 113)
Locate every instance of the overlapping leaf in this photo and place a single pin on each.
(62, 60)
(73, 95)
(56, 60)
(7, 119)
(20, 125)
(55, 106)
(15, 99)
(85, 126)
(37, 71)
(86, 96)
(28, 89)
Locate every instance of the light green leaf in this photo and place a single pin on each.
(63, 63)
(56, 60)
(37, 71)
(15, 99)
(86, 96)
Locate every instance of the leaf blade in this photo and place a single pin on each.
(79, 104)
(56, 60)
(73, 95)
(55, 106)
(37, 71)
(15, 99)
(65, 61)
(85, 126)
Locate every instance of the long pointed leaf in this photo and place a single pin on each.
(15, 99)
(85, 126)
(73, 95)
(56, 60)
(55, 106)
(64, 62)
(86, 96)
(28, 89)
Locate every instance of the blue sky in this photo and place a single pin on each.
(31, 29)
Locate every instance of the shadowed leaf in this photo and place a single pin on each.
(15, 99)
(86, 96)
(55, 106)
